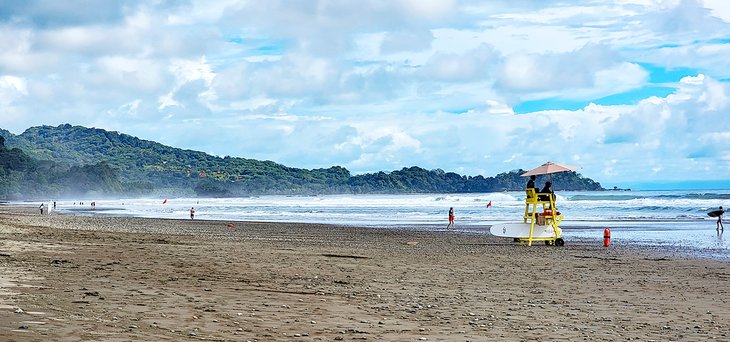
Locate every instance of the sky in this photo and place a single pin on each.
(631, 92)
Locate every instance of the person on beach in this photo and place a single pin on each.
(54, 205)
(531, 183)
(192, 213)
(41, 208)
(546, 192)
(720, 228)
(451, 218)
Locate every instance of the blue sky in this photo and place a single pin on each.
(632, 92)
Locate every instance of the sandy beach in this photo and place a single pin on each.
(71, 278)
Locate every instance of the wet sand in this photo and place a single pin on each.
(71, 278)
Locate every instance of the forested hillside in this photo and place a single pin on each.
(70, 160)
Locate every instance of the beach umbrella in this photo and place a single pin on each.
(547, 169)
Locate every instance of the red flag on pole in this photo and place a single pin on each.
(489, 204)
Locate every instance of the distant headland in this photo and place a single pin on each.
(76, 161)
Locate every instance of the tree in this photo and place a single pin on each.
(210, 188)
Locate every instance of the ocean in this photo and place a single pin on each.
(655, 218)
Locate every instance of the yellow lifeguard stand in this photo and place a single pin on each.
(549, 216)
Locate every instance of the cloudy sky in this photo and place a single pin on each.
(630, 91)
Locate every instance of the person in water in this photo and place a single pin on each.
(719, 220)
(451, 218)
(192, 213)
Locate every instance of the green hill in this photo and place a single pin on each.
(49, 157)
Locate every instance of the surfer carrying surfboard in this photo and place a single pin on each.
(719, 220)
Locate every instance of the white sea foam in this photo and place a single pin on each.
(379, 210)
(667, 217)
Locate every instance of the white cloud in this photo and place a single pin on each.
(406, 41)
(593, 71)
(429, 9)
(476, 64)
(718, 8)
(384, 84)
(13, 86)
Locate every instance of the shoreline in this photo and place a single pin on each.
(110, 278)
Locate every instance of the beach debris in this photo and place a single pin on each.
(330, 255)
(412, 243)
(23, 326)
(58, 261)
(231, 225)
(19, 311)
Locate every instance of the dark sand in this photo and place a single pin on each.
(69, 278)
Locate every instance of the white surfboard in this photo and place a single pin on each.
(522, 230)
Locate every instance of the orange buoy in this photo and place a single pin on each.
(606, 237)
(231, 225)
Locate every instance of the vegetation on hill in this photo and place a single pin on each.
(22, 176)
(70, 160)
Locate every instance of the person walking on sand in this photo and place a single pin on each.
(720, 227)
(192, 213)
(451, 218)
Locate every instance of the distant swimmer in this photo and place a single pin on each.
(451, 218)
(192, 213)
